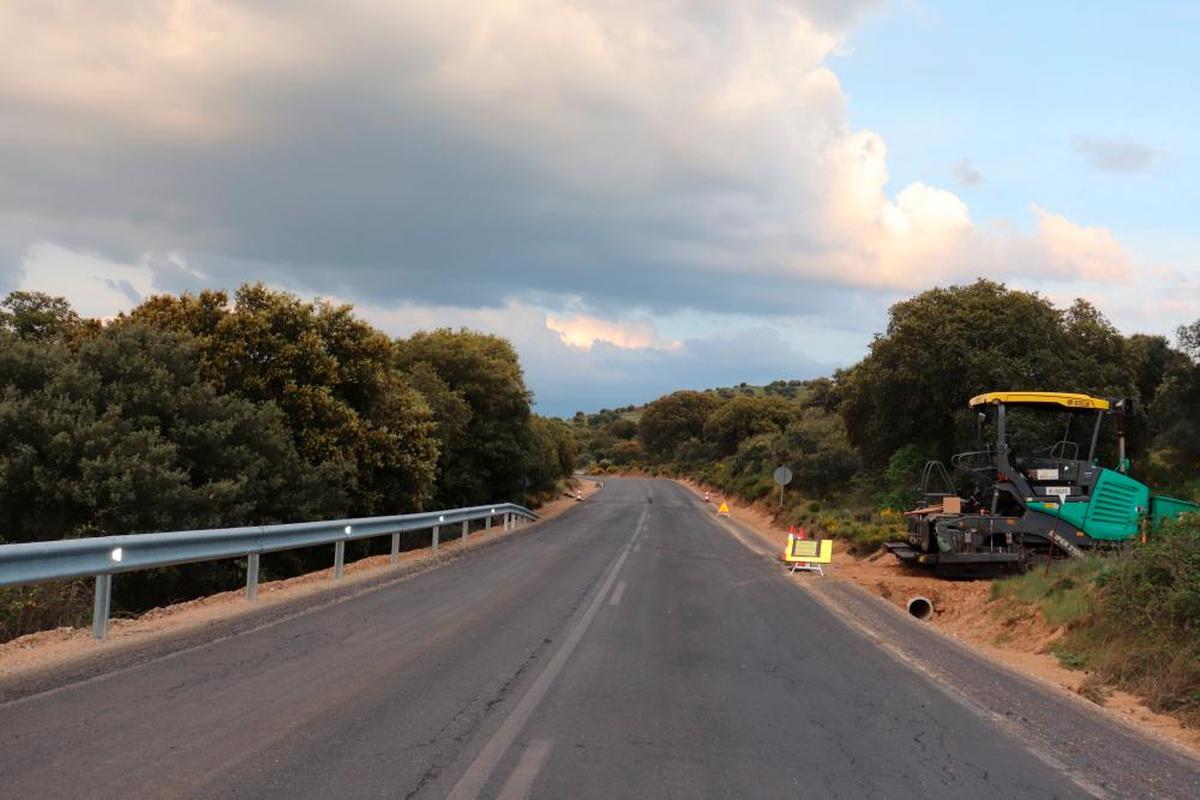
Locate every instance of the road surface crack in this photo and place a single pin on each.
(465, 723)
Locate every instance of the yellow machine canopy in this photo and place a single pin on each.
(1069, 400)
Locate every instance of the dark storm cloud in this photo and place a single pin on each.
(361, 169)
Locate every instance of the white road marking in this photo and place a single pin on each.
(477, 774)
(523, 775)
(617, 594)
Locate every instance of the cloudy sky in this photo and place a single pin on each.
(641, 194)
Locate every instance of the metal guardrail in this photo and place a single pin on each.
(105, 556)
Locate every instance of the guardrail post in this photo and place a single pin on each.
(435, 538)
(507, 520)
(487, 525)
(102, 605)
(466, 524)
(339, 559)
(395, 557)
(251, 577)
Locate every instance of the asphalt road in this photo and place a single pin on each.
(629, 648)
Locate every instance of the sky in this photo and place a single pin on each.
(642, 195)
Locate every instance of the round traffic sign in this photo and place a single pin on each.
(783, 476)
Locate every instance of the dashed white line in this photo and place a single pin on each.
(480, 770)
(525, 773)
(617, 594)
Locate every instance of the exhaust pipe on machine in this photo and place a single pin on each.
(920, 607)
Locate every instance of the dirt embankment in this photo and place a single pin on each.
(54, 648)
(1008, 633)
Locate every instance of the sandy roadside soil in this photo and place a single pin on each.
(964, 610)
(62, 646)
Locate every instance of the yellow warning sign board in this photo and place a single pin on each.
(723, 509)
(808, 554)
(814, 551)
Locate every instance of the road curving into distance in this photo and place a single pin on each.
(629, 648)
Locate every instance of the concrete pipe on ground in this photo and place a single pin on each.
(920, 607)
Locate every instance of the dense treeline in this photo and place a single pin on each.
(205, 410)
(856, 442)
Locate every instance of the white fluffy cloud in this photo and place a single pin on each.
(648, 157)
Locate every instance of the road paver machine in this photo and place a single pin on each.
(1038, 489)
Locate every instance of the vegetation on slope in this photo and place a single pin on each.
(1131, 619)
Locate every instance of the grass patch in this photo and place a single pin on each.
(1063, 594)
(1132, 619)
(1069, 658)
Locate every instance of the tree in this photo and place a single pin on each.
(485, 372)
(673, 419)
(1153, 359)
(451, 411)
(622, 428)
(742, 417)
(816, 448)
(624, 452)
(944, 346)
(1176, 444)
(552, 455)
(349, 410)
(38, 317)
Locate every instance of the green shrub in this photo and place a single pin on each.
(1132, 618)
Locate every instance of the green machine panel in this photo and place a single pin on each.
(1116, 507)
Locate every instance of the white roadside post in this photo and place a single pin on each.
(339, 555)
(441, 518)
(100, 608)
(251, 577)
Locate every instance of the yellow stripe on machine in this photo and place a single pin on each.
(1064, 399)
